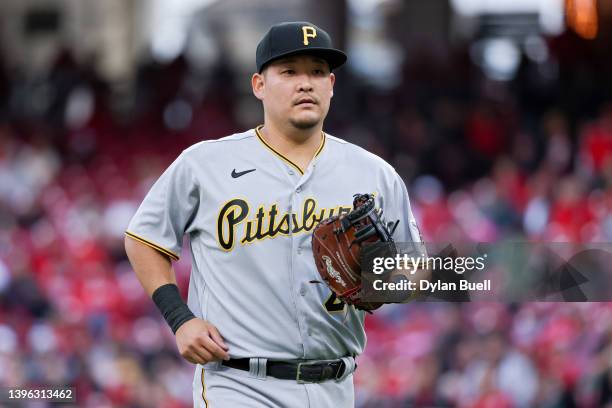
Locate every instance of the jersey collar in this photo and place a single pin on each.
(285, 159)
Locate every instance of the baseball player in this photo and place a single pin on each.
(260, 332)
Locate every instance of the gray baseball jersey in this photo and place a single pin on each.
(249, 213)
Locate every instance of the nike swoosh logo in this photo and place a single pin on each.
(236, 174)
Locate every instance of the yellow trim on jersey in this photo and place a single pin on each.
(153, 245)
(204, 389)
(323, 138)
(276, 152)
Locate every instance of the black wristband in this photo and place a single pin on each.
(171, 305)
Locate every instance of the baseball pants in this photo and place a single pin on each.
(222, 386)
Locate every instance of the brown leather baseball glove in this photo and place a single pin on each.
(337, 244)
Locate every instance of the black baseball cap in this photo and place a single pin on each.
(297, 37)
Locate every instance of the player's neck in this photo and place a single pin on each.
(298, 145)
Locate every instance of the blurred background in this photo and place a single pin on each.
(497, 114)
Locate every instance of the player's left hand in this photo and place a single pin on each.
(337, 245)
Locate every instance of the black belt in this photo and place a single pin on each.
(302, 372)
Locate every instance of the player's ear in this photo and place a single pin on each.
(258, 85)
(332, 78)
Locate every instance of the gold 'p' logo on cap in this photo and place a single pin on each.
(309, 32)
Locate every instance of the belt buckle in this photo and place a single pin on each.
(298, 376)
(323, 369)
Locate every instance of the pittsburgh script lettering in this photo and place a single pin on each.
(268, 222)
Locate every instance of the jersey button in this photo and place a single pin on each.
(298, 190)
(299, 251)
(303, 291)
(291, 172)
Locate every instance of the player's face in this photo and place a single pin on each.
(295, 90)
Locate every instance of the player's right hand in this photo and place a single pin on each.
(199, 342)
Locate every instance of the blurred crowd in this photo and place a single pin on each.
(529, 159)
